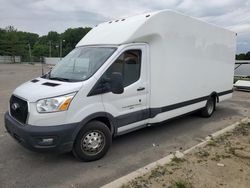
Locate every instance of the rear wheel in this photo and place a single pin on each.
(209, 109)
(92, 142)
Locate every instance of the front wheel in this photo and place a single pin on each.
(209, 109)
(92, 142)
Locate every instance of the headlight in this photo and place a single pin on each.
(54, 104)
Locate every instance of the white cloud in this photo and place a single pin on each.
(243, 28)
(43, 15)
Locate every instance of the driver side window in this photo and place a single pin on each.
(128, 64)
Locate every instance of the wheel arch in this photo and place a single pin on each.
(215, 95)
(103, 117)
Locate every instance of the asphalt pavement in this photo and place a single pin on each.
(20, 167)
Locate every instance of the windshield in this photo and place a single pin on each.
(81, 63)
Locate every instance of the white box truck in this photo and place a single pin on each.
(124, 75)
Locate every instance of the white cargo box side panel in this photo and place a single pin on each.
(188, 58)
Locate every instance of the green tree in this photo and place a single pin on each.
(72, 37)
(243, 56)
(15, 43)
(248, 55)
(12, 43)
(2, 41)
(42, 40)
(39, 51)
(53, 36)
(240, 56)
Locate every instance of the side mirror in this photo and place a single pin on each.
(116, 83)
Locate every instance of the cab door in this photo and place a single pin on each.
(130, 108)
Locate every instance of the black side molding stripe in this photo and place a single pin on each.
(225, 92)
(132, 117)
(141, 115)
(156, 111)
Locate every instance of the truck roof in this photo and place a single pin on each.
(140, 28)
(115, 32)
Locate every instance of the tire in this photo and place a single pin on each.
(92, 142)
(209, 109)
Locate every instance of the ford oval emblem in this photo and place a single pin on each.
(15, 106)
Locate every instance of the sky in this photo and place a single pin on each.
(42, 16)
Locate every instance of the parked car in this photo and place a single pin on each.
(243, 85)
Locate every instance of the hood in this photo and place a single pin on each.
(40, 88)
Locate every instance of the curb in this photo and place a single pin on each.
(166, 160)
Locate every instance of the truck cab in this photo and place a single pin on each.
(102, 85)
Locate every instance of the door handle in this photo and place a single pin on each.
(140, 88)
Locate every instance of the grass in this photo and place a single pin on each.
(243, 129)
(177, 159)
(158, 172)
(211, 143)
(203, 153)
(181, 184)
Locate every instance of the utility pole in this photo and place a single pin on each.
(50, 48)
(29, 52)
(41, 61)
(60, 49)
(61, 42)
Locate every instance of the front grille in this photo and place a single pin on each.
(18, 109)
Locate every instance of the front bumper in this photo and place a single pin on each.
(32, 137)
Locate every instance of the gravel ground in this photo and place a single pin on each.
(223, 162)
